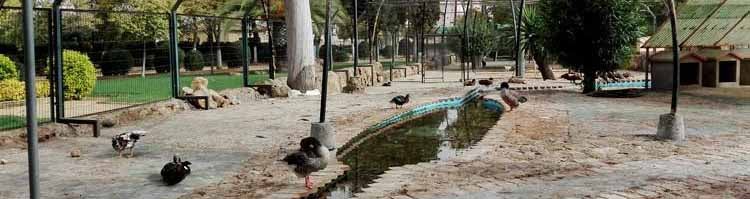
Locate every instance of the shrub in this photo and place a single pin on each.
(117, 62)
(14, 90)
(387, 51)
(79, 75)
(341, 55)
(231, 54)
(161, 58)
(194, 61)
(7, 68)
(364, 52)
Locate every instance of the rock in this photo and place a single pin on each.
(187, 91)
(334, 83)
(3, 161)
(108, 122)
(294, 93)
(75, 153)
(355, 85)
(279, 88)
(314, 92)
(516, 80)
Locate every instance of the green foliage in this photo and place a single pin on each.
(116, 62)
(341, 55)
(161, 56)
(387, 51)
(14, 90)
(7, 68)
(591, 35)
(483, 35)
(363, 51)
(80, 75)
(194, 61)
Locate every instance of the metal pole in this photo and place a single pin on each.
(59, 98)
(466, 42)
(327, 65)
(245, 64)
(51, 63)
(174, 48)
(675, 56)
(31, 123)
(272, 63)
(646, 66)
(355, 39)
(394, 51)
(520, 57)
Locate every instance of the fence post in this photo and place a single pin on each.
(59, 95)
(174, 58)
(51, 63)
(31, 125)
(245, 66)
(272, 63)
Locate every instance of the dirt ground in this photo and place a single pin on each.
(557, 135)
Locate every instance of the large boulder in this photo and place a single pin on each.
(279, 88)
(355, 85)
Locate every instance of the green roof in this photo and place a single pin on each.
(707, 23)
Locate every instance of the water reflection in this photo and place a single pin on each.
(436, 136)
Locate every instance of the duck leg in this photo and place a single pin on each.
(131, 152)
(308, 182)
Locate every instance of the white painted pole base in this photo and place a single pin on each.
(671, 127)
(325, 133)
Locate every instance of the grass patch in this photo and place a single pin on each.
(8, 122)
(137, 90)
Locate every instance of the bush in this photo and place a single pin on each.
(194, 61)
(14, 90)
(231, 54)
(387, 51)
(364, 52)
(161, 58)
(7, 68)
(341, 55)
(117, 62)
(79, 75)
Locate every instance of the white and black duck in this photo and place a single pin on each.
(311, 157)
(126, 141)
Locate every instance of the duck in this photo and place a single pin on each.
(176, 171)
(126, 141)
(387, 84)
(311, 157)
(471, 82)
(486, 82)
(400, 100)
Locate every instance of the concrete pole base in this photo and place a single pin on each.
(671, 127)
(325, 133)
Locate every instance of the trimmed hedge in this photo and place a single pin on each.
(14, 90)
(161, 58)
(7, 68)
(116, 62)
(194, 60)
(387, 51)
(339, 54)
(79, 75)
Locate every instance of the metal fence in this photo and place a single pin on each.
(12, 107)
(130, 55)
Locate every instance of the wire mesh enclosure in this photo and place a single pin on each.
(12, 94)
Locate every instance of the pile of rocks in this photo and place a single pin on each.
(199, 87)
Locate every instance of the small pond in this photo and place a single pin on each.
(436, 136)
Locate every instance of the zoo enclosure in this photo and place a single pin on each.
(132, 67)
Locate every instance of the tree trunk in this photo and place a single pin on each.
(143, 62)
(300, 57)
(219, 61)
(589, 80)
(544, 68)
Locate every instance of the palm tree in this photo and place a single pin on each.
(532, 43)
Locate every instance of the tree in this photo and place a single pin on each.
(592, 36)
(483, 37)
(532, 42)
(145, 27)
(300, 49)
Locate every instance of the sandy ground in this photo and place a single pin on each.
(234, 151)
(551, 144)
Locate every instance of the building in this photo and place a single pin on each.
(714, 37)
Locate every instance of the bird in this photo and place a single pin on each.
(511, 98)
(387, 84)
(626, 75)
(176, 171)
(311, 157)
(126, 141)
(400, 100)
(471, 82)
(486, 82)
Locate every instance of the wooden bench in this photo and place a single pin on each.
(195, 100)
